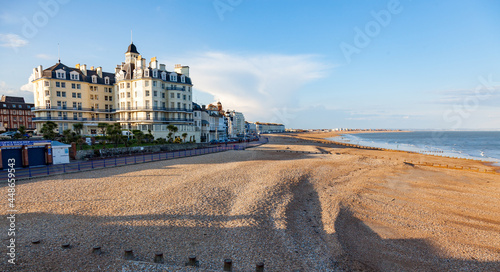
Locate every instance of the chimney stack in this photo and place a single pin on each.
(83, 68)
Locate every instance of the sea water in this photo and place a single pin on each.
(482, 145)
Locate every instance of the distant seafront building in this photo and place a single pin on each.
(236, 124)
(269, 127)
(14, 113)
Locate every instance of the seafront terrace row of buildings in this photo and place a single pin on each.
(138, 95)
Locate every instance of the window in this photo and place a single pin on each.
(91, 97)
(189, 97)
(163, 104)
(106, 80)
(135, 94)
(79, 95)
(178, 105)
(73, 95)
(110, 98)
(184, 97)
(164, 76)
(147, 84)
(74, 105)
(74, 77)
(155, 93)
(163, 85)
(183, 78)
(162, 95)
(63, 84)
(63, 94)
(135, 84)
(155, 74)
(147, 104)
(128, 94)
(146, 73)
(59, 103)
(96, 97)
(155, 104)
(147, 93)
(173, 77)
(154, 83)
(179, 95)
(106, 98)
(47, 84)
(58, 94)
(58, 84)
(78, 86)
(172, 105)
(122, 85)
(128, 84)
(172, 95)
(73, 85)
(47, 93)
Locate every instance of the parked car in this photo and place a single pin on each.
(214, 142)
(8, 134)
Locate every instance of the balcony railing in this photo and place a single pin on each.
(152, 119)
(79, 119)
(176, 88)
(153, 109)
(66, 108)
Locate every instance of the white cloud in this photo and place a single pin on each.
(45, 56)
(25, 91)
(12, 40)
(261, 86)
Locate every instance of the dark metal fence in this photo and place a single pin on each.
(77, 166)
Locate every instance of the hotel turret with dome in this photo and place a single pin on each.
(149, 97)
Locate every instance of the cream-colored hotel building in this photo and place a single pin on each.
(138, 96)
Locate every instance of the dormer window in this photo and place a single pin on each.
(183, 79)
(164, 76)
(173, 77)
(94, 79)
(61, 74)
(106, 80)
(74, 76)
(146, 73)
(155, 73)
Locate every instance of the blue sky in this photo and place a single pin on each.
(308, 64)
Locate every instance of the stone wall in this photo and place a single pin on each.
(107, 152)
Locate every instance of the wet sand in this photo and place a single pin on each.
(294, 204)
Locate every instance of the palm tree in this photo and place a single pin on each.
(138, 135)
(48, 130)
(103, 127)
(173, 129)
(184, 135)
(114, 132)
(22, 131)
(78, 127)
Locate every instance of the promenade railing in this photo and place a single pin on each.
(78, 166)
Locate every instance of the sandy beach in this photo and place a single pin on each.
(293, 204)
